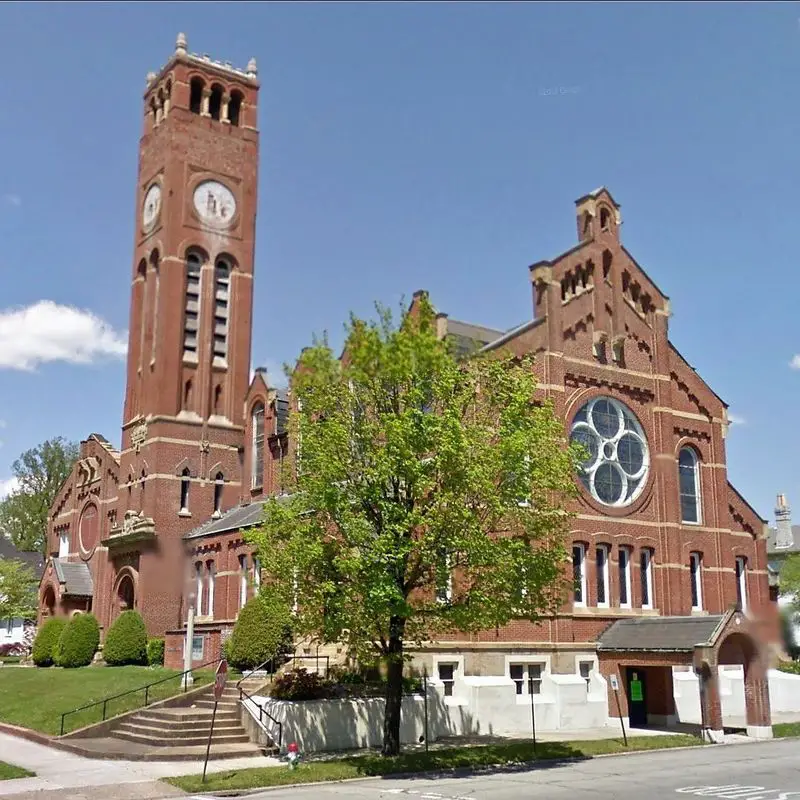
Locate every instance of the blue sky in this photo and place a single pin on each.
(408, 146)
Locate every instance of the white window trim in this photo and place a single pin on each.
(741, 579)
(627, 576)
(198, 578)
(697, 495)
(696, 574)
(242, 581)
(605, 548)
(63, 544)
(194, 639)
(458, 672)
(648, 577)
(447, 595)
(257, 573)
(211, 580)
(528, 659)
(258, 410)
(582, 602)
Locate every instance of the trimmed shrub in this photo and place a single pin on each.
(78, 642)
(46, 641)
(299, 684)
(261, 633)
(155, 652)
(126, 642)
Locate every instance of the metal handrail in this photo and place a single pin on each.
(254, 670)
(315, 658)
(104, 702)
(262, 712)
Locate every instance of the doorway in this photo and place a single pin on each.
(636, 690)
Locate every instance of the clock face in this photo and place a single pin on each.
(214, 203)
(152, 205)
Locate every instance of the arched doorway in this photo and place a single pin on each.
(48, 602)
(126, 593)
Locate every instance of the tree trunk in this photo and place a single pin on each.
(394, 689)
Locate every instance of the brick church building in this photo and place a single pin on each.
(669, 560)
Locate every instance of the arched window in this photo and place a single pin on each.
(689, 485)
(219, 485)
(218, 399)
(185, 491)
(192, 305)
(196, 95)
(257, 421)
(605, 219)
(222, 285)
(215, 101)
(235, 107)
(154, 262)
(187, 395)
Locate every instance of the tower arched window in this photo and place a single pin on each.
(192, 305)
(185, 477)
(215, 101)
(219, 485)
(196, 95)
(257, 422)
(235, 107)
(222, 289)
(689, 484)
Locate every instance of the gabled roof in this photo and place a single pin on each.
(75, 577)
(659, 634)
(468, 338)
(33, 559)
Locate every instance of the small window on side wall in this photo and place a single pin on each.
(689, 485)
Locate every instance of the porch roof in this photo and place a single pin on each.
(659, 634)
(75, 577)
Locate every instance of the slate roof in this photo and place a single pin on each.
(239, 517)
(468, 338)
(35, 560)
(795, 548)
(659, 634)
(75, 576)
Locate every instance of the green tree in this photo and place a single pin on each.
(261, 632)
(126, 642)
(18, 588)
(429, 497)
(40, 472)
(78, 642)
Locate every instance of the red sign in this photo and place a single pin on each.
(220, 679)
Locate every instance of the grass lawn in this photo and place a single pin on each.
(8, 771)
(784, 730)
(36, 698)
(375, 765)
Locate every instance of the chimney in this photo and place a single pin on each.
(784, 538)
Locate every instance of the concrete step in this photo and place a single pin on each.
(160, 739)
(120, 749)
(223, 705)
(179, 729)
(170, 715)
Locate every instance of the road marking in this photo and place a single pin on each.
(738, 792)
(422, 795)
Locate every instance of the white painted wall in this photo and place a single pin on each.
(13, 633)
(784, 694)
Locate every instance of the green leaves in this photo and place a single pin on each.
(408, 458)
(18, 587)
(40, 472)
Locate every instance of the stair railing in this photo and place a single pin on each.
(146, 688)
(262, 713)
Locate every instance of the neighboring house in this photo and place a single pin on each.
(782, 541)
(13, 630)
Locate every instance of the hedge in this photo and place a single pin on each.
(260, 634)
(78, 642)
(155, 652)
(46, 641)
(126, 642)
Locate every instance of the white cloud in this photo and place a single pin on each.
(46, 332)
(795, 362)
(735, 419)
(7, 486)
(12, 200)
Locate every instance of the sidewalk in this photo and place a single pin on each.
(67, 776)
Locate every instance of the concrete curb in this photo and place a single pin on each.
(456, 772)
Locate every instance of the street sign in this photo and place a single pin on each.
(614, 682)
(615, 686)
(220, 679)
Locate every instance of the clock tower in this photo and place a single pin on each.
(190, 319)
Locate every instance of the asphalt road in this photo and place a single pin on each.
(757, 771)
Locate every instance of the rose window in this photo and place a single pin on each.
(616, 468)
